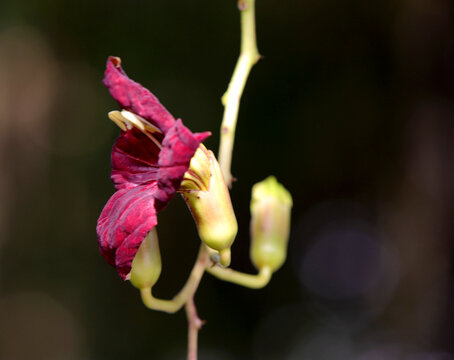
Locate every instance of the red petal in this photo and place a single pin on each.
(178, 148)
(134, 97)
(134, 160)
(127, 218)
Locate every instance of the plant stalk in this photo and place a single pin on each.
(249, 55)
(186, 293)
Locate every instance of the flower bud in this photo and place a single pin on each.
(146, 266)
(271, 204)
(208, 199)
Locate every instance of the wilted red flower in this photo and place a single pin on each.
(149, 160)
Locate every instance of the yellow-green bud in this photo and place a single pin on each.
(208, 199)
(271, 205)
(146, 266)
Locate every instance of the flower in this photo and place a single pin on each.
(149, 160)
(208, 198)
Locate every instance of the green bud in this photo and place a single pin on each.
(208, 199)
(146, 266)
(271, 205)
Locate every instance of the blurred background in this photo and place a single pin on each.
(351, 108)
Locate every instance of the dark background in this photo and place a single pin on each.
(351, 108)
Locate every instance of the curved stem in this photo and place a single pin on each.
(249, 55)
(186, 293)
(194, 325)
(251, 281)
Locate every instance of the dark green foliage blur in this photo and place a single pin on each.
(351, 108)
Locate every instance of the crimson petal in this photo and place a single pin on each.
(178, 148)
(127, 218)
(134, 160)
(132, 96)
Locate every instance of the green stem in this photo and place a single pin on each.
(251, 281)
(194, 325)
(249, 55)
(186, 293)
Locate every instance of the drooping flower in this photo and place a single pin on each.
(149, 160)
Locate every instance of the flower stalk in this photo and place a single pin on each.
(247, 280)
(185, 294)
(194, 325)
(249, 55)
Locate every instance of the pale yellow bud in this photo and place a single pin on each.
(146, 266)
(271, 205)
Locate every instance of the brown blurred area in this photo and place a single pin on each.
(351, 108)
